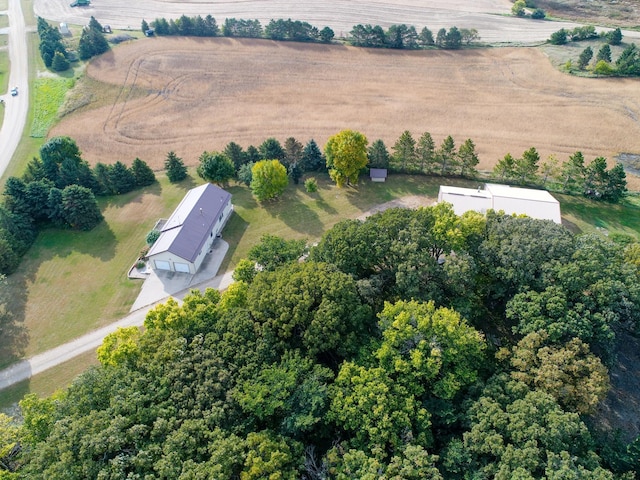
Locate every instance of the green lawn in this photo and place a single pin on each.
(73, 282)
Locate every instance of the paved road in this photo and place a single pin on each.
(44, 361)
(490, 17)
(16, 108)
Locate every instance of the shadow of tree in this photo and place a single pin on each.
(14, 336)
(298, 217)
(232, 234)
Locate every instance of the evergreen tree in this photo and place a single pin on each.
(404, 153)
(426, 37)
(101, 171)
(378, 155)
(468, 158)
(572, 174)
(252, 154)
(426, 152)
(60, 62)
(585, 58)
(144, 26)
(604, 53)
(79, 208)
(121, 178)
(234, 152)
(176, 171)
(312, 158)
(526, 168)
(447, 156)
(615, 37)
(142, 173)
(271, 150)
(505, 168)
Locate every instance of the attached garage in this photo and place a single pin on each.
(181, 267)
(187, 236)
(162, 265)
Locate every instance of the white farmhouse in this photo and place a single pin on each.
(538, 204)
(188, 234)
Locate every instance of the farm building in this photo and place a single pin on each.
(378, 174)
(538, 204)
(186, 237)
(64, 30)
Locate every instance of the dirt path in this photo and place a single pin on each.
(490, 17)
(15, 108)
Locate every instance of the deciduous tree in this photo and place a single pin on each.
(215, 167)
(268, 179)
(346, 154)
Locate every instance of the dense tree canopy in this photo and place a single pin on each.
(413, 344)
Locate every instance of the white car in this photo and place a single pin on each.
(14, 91)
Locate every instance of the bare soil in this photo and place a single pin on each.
(201, 94)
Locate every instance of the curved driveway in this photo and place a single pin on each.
(15, 108)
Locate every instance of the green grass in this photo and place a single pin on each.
(49, 94)
(46, 383)
(4, 21)
(72, 282)
(298, 214)
(584, 216)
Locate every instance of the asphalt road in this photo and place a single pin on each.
(16, 108)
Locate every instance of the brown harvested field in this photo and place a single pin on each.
(205, 93)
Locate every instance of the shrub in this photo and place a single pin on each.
(538, 14)
(152, 236)
(603, 68)
(559, 37)
(310, 185)
(140, 264)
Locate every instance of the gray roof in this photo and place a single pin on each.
(189, 226)
(378, 172)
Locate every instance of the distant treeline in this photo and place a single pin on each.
(397, 36)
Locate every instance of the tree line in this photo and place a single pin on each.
(627, 64)
(397, 36)
(59, 189)
(347, 154)
(415, 344)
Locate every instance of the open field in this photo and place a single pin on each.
(202, 94)
(606, 12)
(490, 17)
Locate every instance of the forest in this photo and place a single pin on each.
(415, 344)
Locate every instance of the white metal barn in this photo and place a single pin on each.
(188, 234)
(538, 204)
